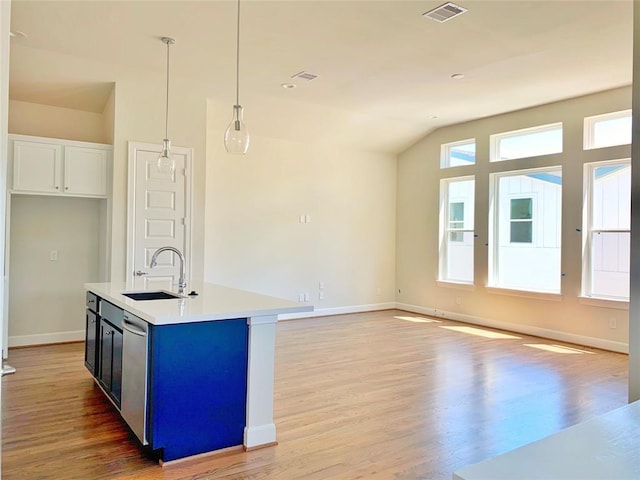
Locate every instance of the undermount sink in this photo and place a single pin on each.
(159, 295)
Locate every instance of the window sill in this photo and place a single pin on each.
(555, 297)
(458, 285)
(605, 302)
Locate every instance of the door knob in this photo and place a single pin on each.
(140, 273)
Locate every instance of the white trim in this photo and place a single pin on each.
(458, 285)
(325, 312)
(46, 338)
(188, 201)
(494, 141)
(445, 153)
(587, 223)
(605, 302)
(494, 221)
(589, 127)
(524, 329)
(513, 292)
(444, 222)
(5, 27)
(60, 141)
(260, 435)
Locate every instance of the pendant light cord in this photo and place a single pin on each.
(238, 58)
(166, 115)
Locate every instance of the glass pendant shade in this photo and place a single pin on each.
(166, 164)
(236, 138)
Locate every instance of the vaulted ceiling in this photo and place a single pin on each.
(384, 70)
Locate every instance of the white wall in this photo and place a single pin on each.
(418, 189)
(55, 122)
(46, 300)
(254, 238)
(139, 116)
(61, 282)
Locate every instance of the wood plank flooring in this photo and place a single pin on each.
(385, 395)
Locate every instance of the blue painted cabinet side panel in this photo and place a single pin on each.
(198, 386)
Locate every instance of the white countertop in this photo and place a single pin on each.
(213, 302)
(605, 447)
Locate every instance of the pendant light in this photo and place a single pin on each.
(166, 163)
(236, 138)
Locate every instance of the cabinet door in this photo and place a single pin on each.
(116, 366)
(36, 167)
(85, 171)
(90, 342)
(106, 354)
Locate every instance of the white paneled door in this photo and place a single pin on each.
(158, 214)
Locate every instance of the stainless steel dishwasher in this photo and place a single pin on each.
(135, 346)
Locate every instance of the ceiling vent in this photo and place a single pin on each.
(445, 12)
(305, 76)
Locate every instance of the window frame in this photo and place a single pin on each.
(531, 197)
(586, 288)
(493, 282)
(445, 153)
(589, 128)
(445, 229)
(496, 138)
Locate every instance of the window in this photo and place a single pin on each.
(606, 230)
(456, 229)
(607, 130)
(521, 220)
(457, 154)
(525, 230)
(528, 142)
(456, 221)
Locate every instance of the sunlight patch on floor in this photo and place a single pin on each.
(558, 348)
(480, 332)
(418, 319)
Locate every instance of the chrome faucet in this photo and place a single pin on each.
(182, 284)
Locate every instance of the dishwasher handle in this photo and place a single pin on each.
(132, 327)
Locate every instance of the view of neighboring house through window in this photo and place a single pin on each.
(457, 154)
(528, 142)
(606, 233)
(521, 213)
(607, 130)
(525, 230)
(456, 229)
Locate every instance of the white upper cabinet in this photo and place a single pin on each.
(36, 167)
(58, 167)
(85, 171)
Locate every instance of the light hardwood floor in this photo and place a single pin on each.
(383, 395)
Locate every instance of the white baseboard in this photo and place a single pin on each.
(325, 312)
(524, 329)
(45, 338)
(257, 435)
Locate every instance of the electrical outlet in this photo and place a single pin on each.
(320, 295)
(306, 296)
(320, 285)
(53, 255)
(613, 323)
(378, 291)
(301, 297)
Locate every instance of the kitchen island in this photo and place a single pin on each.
(190, 374)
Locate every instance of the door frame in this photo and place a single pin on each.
(133, 148)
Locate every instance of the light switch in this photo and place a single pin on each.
(53, 255)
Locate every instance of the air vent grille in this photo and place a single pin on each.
(305, 76)
(445, 12)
